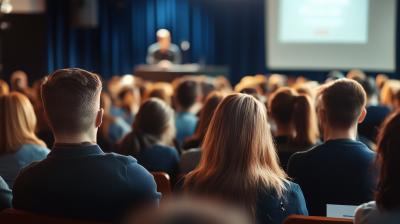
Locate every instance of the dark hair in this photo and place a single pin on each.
(152, 120)
(344, 100)
(387, 158)
(71, 99)
(289, 107)
(187, 93)
(206, 89)
(368, 84)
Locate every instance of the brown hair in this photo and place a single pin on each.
(387, 158)
(289, 107)
(210, 104)
(18, 123)
(71, 99)
(4, 88)
(343, 100)
(239, 160)
(148, 128)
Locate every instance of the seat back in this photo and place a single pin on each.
(163, 183)
(15, 216)
(300, 219)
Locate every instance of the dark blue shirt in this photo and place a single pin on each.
(84, 183)
(372, 121)
(185, 124)
(335, 172)
(160, 158)
(270, 208)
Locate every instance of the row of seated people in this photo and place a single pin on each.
(237, 161)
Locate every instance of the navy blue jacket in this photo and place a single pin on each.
(84, 183)
(270, 208)
(335, 172)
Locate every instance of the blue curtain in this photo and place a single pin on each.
(221, 32)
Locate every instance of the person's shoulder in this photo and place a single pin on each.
(364, 211)
(124, 160)
(35, 147)
(154, 47)
(174, 47)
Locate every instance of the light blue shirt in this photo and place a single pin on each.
(118, 129)
(185, 124)
(369, 213)
(12, 163)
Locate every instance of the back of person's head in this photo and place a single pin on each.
(343, 101)
(153, 123)
(210, 104)
(239, 159)
(158, 93)
(18, 81)
(18, 122)
(306, 88)
(187, 94)
(4, 88)
(291, 108)
(387, 195)
(71, 100)
(381, 79)
(368, 85)
(252, 92)
(355, 73)
(333, 75)
(388, 90)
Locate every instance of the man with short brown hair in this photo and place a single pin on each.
(339, 170)
(77, 180)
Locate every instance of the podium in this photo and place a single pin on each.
(155, 74)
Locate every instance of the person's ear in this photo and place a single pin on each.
(363, 114)
(322, 115)
(99, 118)
(46, 118)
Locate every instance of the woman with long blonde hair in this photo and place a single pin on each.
(239, 164)
(19, 145)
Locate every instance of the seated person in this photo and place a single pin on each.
(77, 180)
(375, 113)
(386, 207)
(296, 122)
(186, 96)
(239, 165)
(191, 158)
(4, 88)
(19, 146)
(338, 171)
(152, 134)
(5, 195)
(163, 50)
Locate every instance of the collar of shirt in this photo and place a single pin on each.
(72, 145)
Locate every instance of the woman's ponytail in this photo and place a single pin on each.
(305, 121)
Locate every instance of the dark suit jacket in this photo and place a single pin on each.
(335, 172)
(84, 183)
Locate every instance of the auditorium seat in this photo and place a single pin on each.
(300, 219)
(163, 183)
(15, 216)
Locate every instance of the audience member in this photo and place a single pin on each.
(5, 195)
(117, 127)
(19, 83)
(296, 122)
(159, 93)
(152, 134)
(376, 114)
(339, 170)
(104, 139)
(388, 90)
(396, 101)
(191, 158)
(187, 94)
(356, 74)
(43, 130)
(77, 180)
(4, 89)
(386, 207)
(380, 80)
(130, 103)
(333, 75)
(19, 145)
(240, 165)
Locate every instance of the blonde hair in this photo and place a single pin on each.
(18, 122)
(4, 88)
(239, 160)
